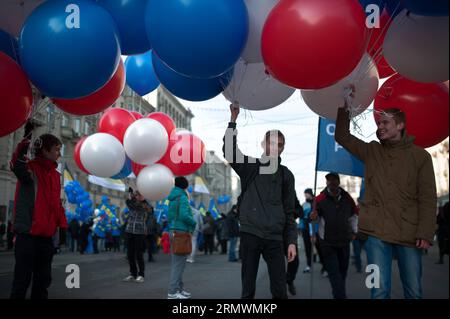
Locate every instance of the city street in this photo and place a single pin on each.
(210, 277)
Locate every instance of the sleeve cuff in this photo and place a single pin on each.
(232, 125)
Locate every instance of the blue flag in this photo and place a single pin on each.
(331, 156)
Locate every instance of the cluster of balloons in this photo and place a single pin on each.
(256, 52)
(78, 196)
(409, 44)
(150, 147)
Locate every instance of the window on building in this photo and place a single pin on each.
(86, 128)
(64, 120)
(63, 150)
(77, 126)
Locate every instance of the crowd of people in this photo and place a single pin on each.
(397, 217)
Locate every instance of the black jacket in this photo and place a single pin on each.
(267, 207)
(232, 224)
(338, 218)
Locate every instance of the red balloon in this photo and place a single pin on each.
(312, 44)
(165, 120)
(16, 96)
(76, 154)
(116, 122)
(185, 154)
(98, 101)
(426, 106)
(137, 115)
(374, 48)
(137, 168)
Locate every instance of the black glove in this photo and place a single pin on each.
(29, 127)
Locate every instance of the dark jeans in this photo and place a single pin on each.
(116, 243)
(273, 253)
(336, 260)
(292, 267)
(223, 246)
(135, 253)
(209, 243)
(307, 243)
(33, 257)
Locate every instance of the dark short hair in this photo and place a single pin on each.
(309, 191)
(45, 142)
(278, 132)
(332, 175)
(181, 182)
(398, 115)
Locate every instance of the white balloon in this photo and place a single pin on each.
(417, 47)
(146, 141)
(258, 11)
(325, 102)
(155, 182)
(102, 155)
(13, 14)
(254, 89)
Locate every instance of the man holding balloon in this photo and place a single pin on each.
(266, 209)
(399, 210)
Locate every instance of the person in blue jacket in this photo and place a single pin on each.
(180, 219)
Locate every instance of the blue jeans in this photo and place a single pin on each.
(232, 251)
(357, 248)
(409, 263)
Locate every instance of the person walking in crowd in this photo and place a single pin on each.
(398, 212)
(2, 233)
(292, 267)
(442, 233)
(209, 227)
(266, 209)
(38, 212)
(198, 229)
(222, 234)
(306, 228)
(152, 233)
(180, 220)
(233, 232)
(136, 229)
(74, 231)
(336, 211)
(9, 236)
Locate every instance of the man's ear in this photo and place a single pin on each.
(401, 126)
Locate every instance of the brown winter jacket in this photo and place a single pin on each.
(400, 200)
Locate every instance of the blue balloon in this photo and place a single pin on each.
(65, 59)
(434, 8)
(379, 3)
(9, 46)
(130, 20)
(203, 39)
(394, 7)
(140, 75)
(188, 88)
(125, 171)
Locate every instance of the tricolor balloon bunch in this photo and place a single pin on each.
(256, 52)
(150, 145)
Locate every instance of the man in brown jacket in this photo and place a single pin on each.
(399, 210)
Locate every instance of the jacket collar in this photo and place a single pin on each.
(404, 142)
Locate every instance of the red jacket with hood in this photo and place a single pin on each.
(37, 206)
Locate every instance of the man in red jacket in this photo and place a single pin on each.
(38, 213)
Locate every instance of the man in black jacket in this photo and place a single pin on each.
(266, 209)
(337, 215)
